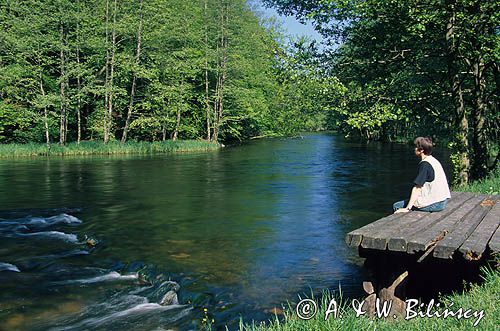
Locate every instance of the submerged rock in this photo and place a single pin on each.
(174, 286)
(90, 242)
(170, 298)
(274, 311)
(143, 278)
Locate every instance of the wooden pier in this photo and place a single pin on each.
(422, 254)
(468, 227)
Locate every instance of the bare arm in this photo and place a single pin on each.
(415, 194)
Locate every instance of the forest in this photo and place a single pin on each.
(414, 67)
(114, 71)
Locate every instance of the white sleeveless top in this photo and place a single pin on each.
(438, 189)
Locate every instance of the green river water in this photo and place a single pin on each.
(240, 230)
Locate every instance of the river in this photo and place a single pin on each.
(241, 230)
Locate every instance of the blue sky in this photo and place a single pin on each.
(291, 25)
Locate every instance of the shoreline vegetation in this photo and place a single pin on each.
(488, 185)
(475, 297)
(111, 148)
(111, 70)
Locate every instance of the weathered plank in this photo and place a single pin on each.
(461, 231)
(422, 240)
(354, 238)
(378, 238)
(376, 234)
(474, 246)
(399, 240)
(494, 243)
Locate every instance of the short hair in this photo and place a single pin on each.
(424, 143)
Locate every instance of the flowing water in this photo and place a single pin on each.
(149, 242)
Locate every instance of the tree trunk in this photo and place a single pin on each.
(111, 75)
(461, 162)
(215, 133)
(207, 101)
(78, 83)
(63, 119)
(496, 110)
(222, 75)
(479, 167)
(496, 75)
(45, 113)
(106, 82)
(177, 124)
(164, 132)
(134, 79)
(79, 100)
(66, 111)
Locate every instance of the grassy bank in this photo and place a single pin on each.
(489, 185)
(477, 297)
(99, 148)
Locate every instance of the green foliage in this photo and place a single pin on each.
(488, 185)
(65, 59)
(18, 124)
(307, 92)
(148, 128)
(413, 68)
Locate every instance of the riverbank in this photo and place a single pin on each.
(476, 298)
(111, 148)
(488, 185)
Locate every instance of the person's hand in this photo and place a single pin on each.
(401, 210)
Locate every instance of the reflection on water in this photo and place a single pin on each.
(242, 230)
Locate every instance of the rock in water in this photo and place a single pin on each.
(170, 298)
(174, 286)
(91, 242)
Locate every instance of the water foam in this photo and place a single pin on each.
(112, 276)
(136, 310)
(8, 267)
(69, 237)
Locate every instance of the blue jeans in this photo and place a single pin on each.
(438, 206)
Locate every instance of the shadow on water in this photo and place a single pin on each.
(241, 230)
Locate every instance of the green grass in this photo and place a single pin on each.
(489, 185)
(478, 297)
(99, 148)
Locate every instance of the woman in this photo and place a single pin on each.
(431, 191)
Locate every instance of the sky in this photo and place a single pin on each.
(291, 25)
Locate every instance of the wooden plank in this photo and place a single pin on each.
(420, 241)
(474, 247)
(461, 231)
(354, 238)
(494, 243)
(378, 238)
(399, 239)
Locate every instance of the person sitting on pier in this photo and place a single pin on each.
(431, 191)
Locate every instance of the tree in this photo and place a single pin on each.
(414, 67)
(145, 70)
